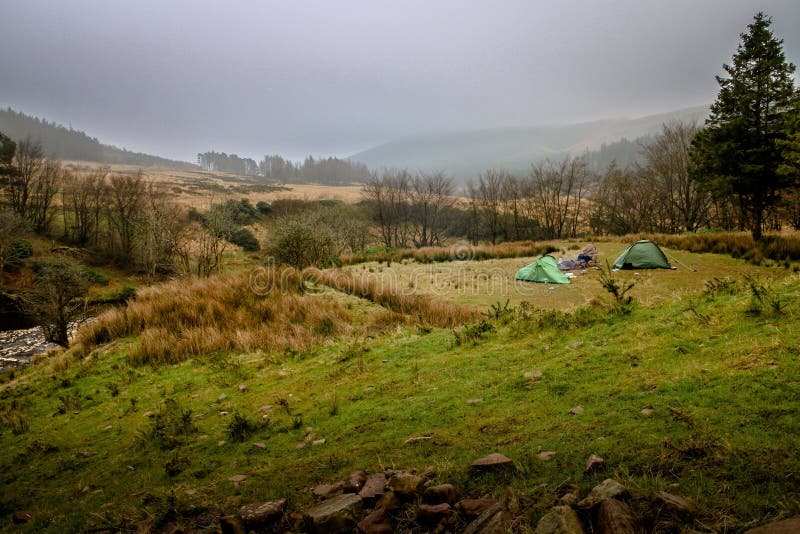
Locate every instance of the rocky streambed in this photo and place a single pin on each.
(17, 347)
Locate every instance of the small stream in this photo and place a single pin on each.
(17, 347)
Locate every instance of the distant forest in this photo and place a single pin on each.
(330, 171)
(622, 153)
(66, 143)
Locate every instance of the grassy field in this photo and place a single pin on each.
(199, 188)
(484, 283)
(101, 441)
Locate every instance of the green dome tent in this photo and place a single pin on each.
(545, 269)
(643, 254)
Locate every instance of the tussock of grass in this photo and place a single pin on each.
(423, 307)
(516, 249)
(183, 319)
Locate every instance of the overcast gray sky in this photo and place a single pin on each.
(332, 77)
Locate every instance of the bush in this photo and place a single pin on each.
(20, 249)
(93, 277)
(240, 427)
(245, 239)
(303, 242)
(169, 425)
(263, 207)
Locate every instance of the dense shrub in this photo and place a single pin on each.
(245, 239)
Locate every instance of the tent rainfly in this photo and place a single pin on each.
(545, 269)
(643, 254)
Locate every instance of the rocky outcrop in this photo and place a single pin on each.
(339, 514)
(560, 520)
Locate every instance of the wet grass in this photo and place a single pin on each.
(722, 382)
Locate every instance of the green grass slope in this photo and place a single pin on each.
(98, 442)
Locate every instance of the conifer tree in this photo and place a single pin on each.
(742, 147)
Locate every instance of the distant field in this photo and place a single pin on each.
(482, 283)
(198, 187)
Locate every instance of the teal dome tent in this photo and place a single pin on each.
(643, 254)
(545, 269)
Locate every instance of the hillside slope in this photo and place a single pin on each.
(465, 154)
(66, 143)
(699, 395)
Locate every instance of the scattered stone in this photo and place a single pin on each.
(265, 408)
(475, 400)
(260, 445)
(674, 504)
(373, 488)
(222, 397)
(416, 439)
(608, 489)
(318, 442)
(560, 520)
(568, 499)
(533, 374)
(109, 427)
(495, 519)
(594, 463)
(474, 507)
(262, 513)
(232, 524)
(336, 515)
(23, 516)
(615, 517)
(147, 414)
(355, 482)
(326, 491)
(647, 411)
(223, 413)
(389, 501)
(576, 410)
(546, 455)
(787, 526)
(243, 388)
(493, 461)
(431, 514)
(237, 479)
(405, 485)
(443, 493)
(376, 522)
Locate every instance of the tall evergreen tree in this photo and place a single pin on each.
(7, 150)
(741, 148)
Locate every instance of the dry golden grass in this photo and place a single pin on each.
(424, 308)
(196, 188)
(241, 312)
(461, 252)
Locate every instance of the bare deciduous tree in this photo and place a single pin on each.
(43, 190)
(126, 200)
(83, 198)
(56, 298)
(29, 159)
(682, 202)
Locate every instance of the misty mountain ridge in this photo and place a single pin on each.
(67, 143)
(465, 154)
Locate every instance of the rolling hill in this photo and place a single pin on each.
(66, 143)
(464, 154)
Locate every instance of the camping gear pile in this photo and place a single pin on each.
(643, 254)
